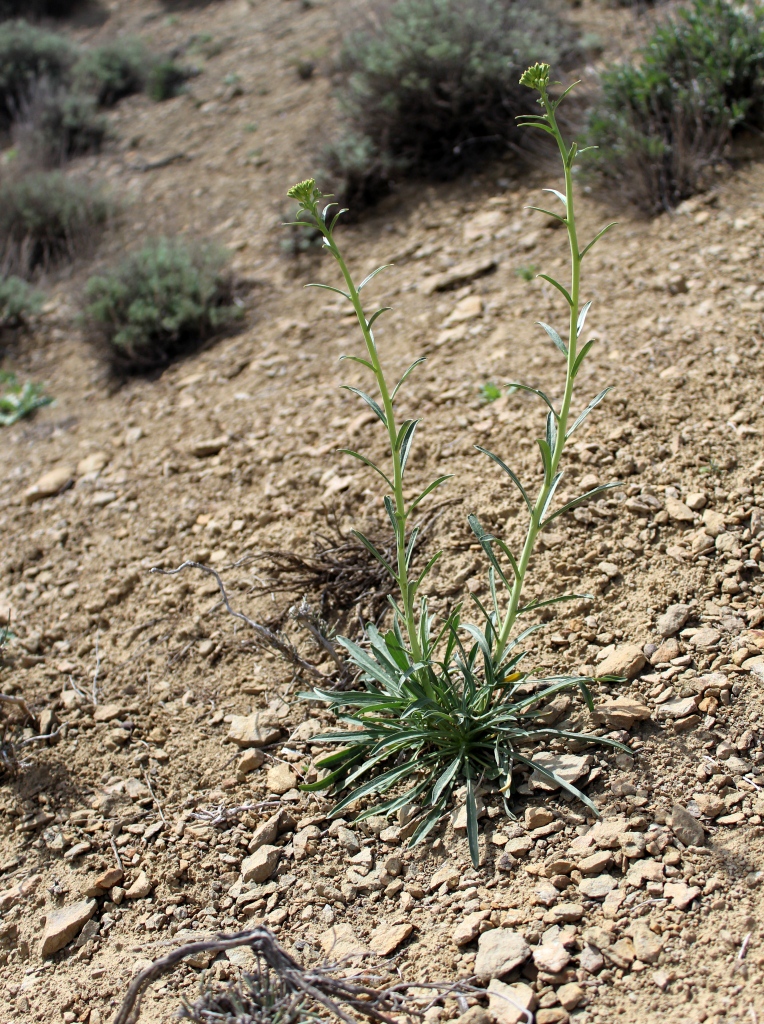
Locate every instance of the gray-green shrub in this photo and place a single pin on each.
(159, 302)
(432, 85)
(29, 54)
(45, 218)
(18, 301)
(55, 124)
(666, 118)
(114, 70)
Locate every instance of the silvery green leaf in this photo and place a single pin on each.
(540, 209)
(560, 288)
(534, 391)
(546, 458)
(592, 405)
(555, 338)
(408, 437)
(429, 489)
(366, 462)
(374, 316)
(578, 501)
(377, 554)
(551, 431)
(406, 374)
(358, 359)
(509, 473)
(580, 357)
(599, 233)
(369, 401)
(563, 199)
(373, 274)
(582, 318)
(330, 288)
(550, 496)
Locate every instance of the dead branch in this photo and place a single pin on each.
(280, 644)
(19, 702)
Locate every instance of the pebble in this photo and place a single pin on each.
(260, 865)
(537, 817)
(78, 850)
(252, 731)
(62, 925)
(680, 894)
(500, 950)
(92, 463)
(714, 522)
(468, 928)
(340, 941)
(212, 446)
(507, 1003)
(678, 511)
(596, 863)
(597, 887)
(107, 712)
(647, 945)
(590, 959)
(626, 661)
(386, 938)
(570, 995)
(448, 875)
(673, 619)
(710, 805)
(642, 871)
(569, 767)
(552, 957)
(249, 762)
(140, 888)
(306, 842)
(49, 484)
(280, 779)
(686, 828)
(620, 713)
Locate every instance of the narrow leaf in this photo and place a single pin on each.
(546, 458)
(366, 462)
(330, 288)
(554, 335)
(550, 496)
(369, 401)
(599, 233)
(554, 777)
(472, 824)
(563, 199)
(390, 509)
(509, 473)
(554, 600)
(540, 209)
(560, 288)
(445, 779)
(551, 431)
(511, 388)
(407, 373)
(578, 501)
(592, 405)
(582, 317)
(358, 359)
(406, 443)
(581, 356)
(377, 554)
(373, 274)
(374, 316)
(429, 489)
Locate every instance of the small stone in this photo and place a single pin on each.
(250, 761)
(280, 779)
(642, 871)
(685, 724)
(596, 863)
(140, 888)
(340, 941)
(212, 446)
(386, 938)
(686, 828)
(673, 619)
(710, 805)
(536, 817)
(519, 847)
(468, 928)
(251, 731)
(612, 903)
(448, 875)
(661, 979)
(620, 713)
(507, 1003)
(500, 950)
(705, 638)
(92, 463)
(678, 511)
(590, 959)
(696, 500)
(680, 707)
(755, 666)
(476, 1014)
(621, 953)
(551, 957)
(260, 865)
(78, 850)
(609, 569)
(545, 894)
(626, 661)
(348, 840)
(136, 789)
(459, 815)
(49, 484)
(107, 712)
(569, 767)
(647, 945)
(467, 309)
(61, 926)
(714, 522)
(680, 894)
(109, 877)
(570, 995)
(564, 913)
(306, 842)
(597, 887)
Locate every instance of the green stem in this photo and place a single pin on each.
(562, 420)
(402, 578)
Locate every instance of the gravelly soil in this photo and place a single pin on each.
(677, 319)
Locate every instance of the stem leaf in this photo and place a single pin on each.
(592, 405)
(372, 274)
(554, 335)
(513, 476)
(369, 401)
(599, 234)
(579, 501)
(366, 462)
(560, 288)
(330, 288)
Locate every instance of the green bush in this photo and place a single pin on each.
(18, 300)
(159, 302)
(666, 119)
(166, 80)
(29, 55)
(431, 85)
(113, 71)
(46, 217)
(55, 124)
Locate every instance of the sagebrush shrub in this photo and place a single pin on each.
(54, 124)
(114, 70)
(451, 703)
(431, 85)
(46, 217)
(666, 118)
(160, 302)
(29, 54)
(165, 80)
(18, 300)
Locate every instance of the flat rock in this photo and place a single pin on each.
(210, 446)
(536, 817)
(265, 834)
(136, 789)
(612, 903)
(519, 847)
(500, 950)
(462, 273)
(252, 731)
(260, 865)
(714, 522)
(468, 928)
(678, 511)
(386, 938)
(673, 619)
(621, 953)
(686, 828)
(509, 1004)
(591, 960)
(647, 945)
(551, 957)
(645, 870)
(249, 761)
(545, 894)
(620, 713)
(755, 666)
(710, 805)
(605, 835)
(109, 877)
(459, 816)
(595, 863)
(680, 894)
(107, 712)
(597, 887)
(705, 638)
(49, 484)
(569, 767)
(565, 913)
(62, 925)
(280, 779)
(570, 995)
(92, 463)
(140, 888)
(448, 874)
(340, 941)
(626, 661)
(680, 707)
